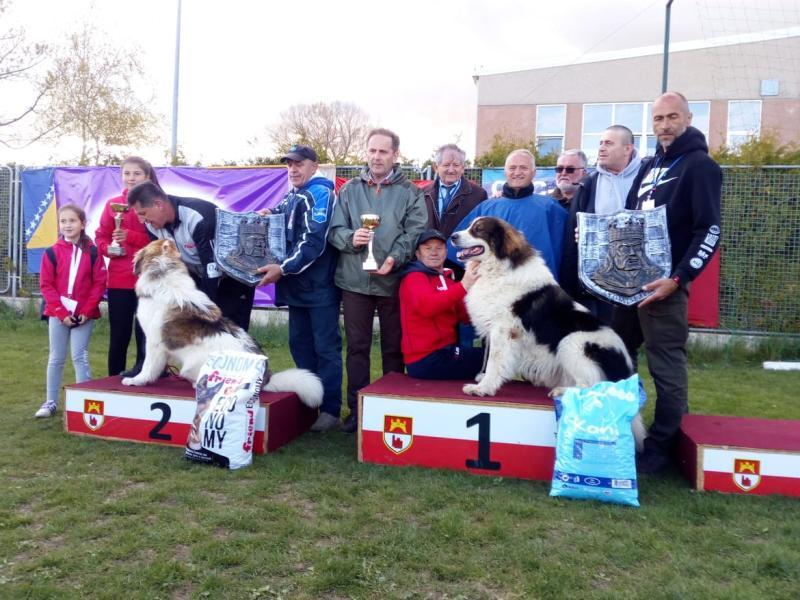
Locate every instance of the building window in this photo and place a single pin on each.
(744, 121)
(550, 125)
(636, 116)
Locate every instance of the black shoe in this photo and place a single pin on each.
(350, 424)
(133, 371)
(652, 462)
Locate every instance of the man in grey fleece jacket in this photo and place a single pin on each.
(381, 189)
(603, 192)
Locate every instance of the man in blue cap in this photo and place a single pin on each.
(304, 280)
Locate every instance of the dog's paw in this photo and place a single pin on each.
(474, 390)
(557, 392)
(132, 381)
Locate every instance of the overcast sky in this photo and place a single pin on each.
(409, 65)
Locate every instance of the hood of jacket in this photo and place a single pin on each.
(629, 171)
(416, 266)
(514, 193)
(689, 140)
(397, 176)
(317, 179)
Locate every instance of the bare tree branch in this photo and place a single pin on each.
(335, 130)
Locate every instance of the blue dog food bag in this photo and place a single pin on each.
(595, 449)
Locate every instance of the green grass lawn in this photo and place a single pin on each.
(82, 517)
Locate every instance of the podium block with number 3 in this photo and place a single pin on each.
(405, 421)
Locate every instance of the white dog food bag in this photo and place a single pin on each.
(595, 448)
(224, 424)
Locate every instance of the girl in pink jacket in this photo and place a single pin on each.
(72, 280)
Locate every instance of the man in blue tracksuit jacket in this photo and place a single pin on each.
(304, 280)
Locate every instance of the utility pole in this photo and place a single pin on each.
(174, 146)
(665, 70)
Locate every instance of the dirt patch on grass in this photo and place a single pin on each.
(306, 508)
(124, 491)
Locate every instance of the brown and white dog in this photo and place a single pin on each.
(184, 326)
(533, 328)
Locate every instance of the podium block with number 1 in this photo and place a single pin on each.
(405, 421)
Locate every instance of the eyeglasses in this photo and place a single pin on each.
(568, 170)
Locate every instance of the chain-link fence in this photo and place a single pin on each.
(7, 229)
(354, 171)
(760, 250)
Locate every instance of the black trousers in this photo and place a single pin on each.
(359, 312)
(122, 321)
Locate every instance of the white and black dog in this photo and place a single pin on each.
(533, 328)
(184, 326)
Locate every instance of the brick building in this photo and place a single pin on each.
(735, 90)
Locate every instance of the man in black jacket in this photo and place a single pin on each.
(683, 177)
(191, 223)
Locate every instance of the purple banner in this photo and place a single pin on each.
(238, 190)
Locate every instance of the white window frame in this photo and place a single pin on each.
(550, 135)
(645, 132)
(749, 133)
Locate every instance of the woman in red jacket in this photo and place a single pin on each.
(72, 279)
(130, 237)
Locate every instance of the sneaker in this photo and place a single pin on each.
(350, 424)
(47, 410)
(325, 422)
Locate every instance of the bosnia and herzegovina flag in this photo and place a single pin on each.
(39, 213)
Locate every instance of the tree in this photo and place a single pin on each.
(18, 60)
(91, 96)
(764, 149)
(501, 147)
(335, 130)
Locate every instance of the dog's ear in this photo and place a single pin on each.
(511, 244)
(138, 259)
(167, 247)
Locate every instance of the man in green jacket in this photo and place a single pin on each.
(382, 190)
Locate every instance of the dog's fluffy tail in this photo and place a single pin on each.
(639, 432)
(300, 381)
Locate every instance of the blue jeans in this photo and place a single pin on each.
(450, 362)
(62, 336)
(316, 344)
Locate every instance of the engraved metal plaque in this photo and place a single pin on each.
(246, 241)
(619, 253)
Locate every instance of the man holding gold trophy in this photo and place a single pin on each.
(375, 226)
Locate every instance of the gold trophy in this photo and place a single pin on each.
(370, 222)
(118, 209)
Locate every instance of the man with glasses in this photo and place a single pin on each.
(570, 169)
(603, 192)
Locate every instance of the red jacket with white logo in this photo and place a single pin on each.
(120, 268)
(431, 307)
(90, 282)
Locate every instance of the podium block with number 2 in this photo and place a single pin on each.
(405, 421)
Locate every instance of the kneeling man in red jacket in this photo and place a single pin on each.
(431, 308)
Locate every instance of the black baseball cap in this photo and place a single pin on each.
(430, 234)
(299, 152)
